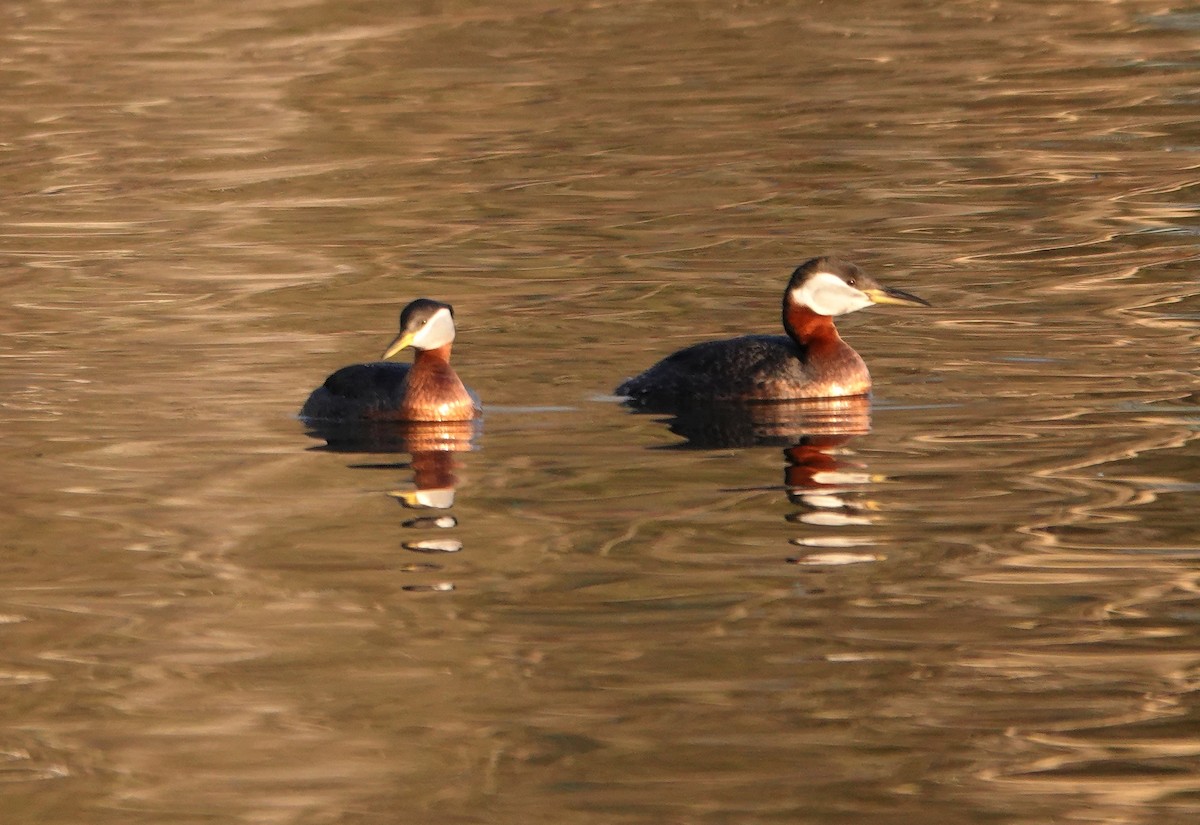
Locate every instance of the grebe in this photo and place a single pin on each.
(428, 390)
(812, 361)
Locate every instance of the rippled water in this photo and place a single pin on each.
(974, 600)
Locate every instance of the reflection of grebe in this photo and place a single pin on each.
(434, 484)
(816, 477)
(724, 425)
(432, 446)
(428, 390)
(375, 436)
(830, 493)
(812, 361)
(434, 481)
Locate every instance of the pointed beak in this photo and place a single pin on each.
(887, 295)
(402, 341)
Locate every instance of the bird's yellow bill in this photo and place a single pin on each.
(886, 295)
(403, 340)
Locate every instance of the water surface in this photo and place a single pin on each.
(973, 601)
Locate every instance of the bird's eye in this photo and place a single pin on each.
(850, 281)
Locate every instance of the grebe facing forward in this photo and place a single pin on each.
(811, 361)
(428, 390)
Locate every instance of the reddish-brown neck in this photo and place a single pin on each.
(433, 391)
(432, 356)
(807, 328)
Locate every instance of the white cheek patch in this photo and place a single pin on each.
(827, 294)
(437, 332)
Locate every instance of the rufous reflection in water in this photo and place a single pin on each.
(725, 425)
(819, 478)
(830, 489)
(395, 436)
(433, 448)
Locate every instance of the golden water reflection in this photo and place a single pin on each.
(204, 618)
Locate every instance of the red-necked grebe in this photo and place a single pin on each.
(811, 361)
(426, 390)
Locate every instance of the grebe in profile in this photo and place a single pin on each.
(811, 361)
(428, 390)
